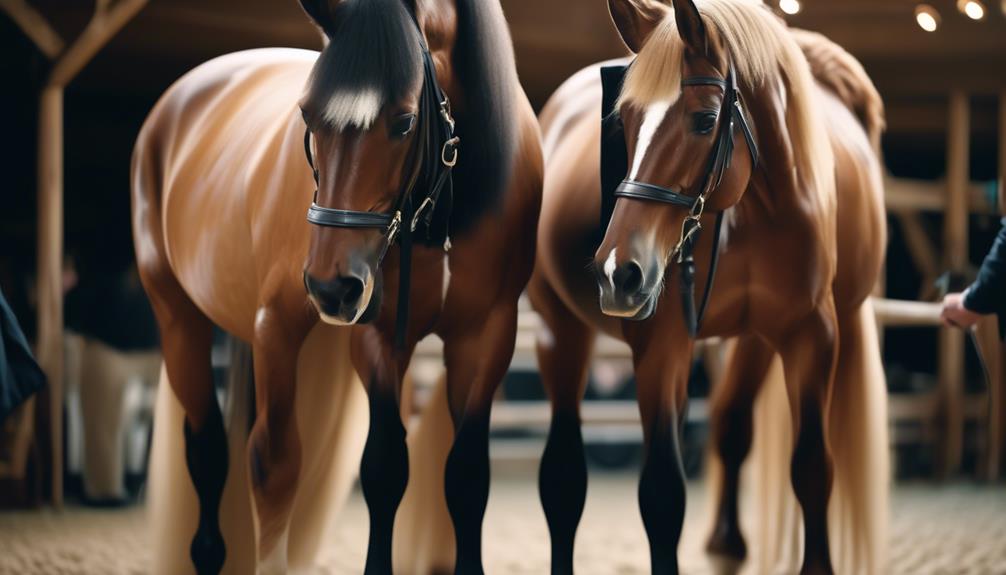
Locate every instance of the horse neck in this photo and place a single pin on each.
(439, 25)
(776, 181)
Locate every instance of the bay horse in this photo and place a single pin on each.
(416, 156)
(726, 130)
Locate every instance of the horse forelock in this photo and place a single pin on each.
(372, 59)
(765, 56)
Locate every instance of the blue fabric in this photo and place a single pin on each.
(988, 293)
(20, 375)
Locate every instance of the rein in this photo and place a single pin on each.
(435, 156)
(719, 162)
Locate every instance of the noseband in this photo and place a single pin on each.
(435, 155)
(719, 162)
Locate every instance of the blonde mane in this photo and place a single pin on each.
(763, 53)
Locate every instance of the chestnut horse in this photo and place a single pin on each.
(221, 185)
(719, 103)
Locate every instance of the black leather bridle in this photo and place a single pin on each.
(435, 155)
(731, 116)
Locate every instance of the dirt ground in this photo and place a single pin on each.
(957, 528)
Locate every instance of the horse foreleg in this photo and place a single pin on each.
(384, 470)
(661, 383)
(274, 450)
(731, 414)
(809, 351)
(186, 338)
(477, 357)
(563, 346)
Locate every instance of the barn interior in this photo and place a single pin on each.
(67, 269)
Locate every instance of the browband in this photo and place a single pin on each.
(704, 81)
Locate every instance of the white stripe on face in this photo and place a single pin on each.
(652, 119)
(356, 109)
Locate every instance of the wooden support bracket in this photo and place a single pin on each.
(107, 20)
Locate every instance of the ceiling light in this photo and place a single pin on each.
(790, 6)
(927, 17)
(971, 8)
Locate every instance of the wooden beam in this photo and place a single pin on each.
(955, 242)
(49, 343)
(920, 248)
(905, 313)
(34, 26)
(911, 196)
(990, 444)
(955, 232)
(107, 21)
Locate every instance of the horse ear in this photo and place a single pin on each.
(320, 12)
(636, 19)
(690, 25)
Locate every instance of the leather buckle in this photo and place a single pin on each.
(445, 113)
(427, 202)
(394, 227)
(691, 226)
(450, 147)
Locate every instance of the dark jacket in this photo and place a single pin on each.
(20, 376)
(988, 293)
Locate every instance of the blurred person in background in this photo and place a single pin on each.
(987, 295)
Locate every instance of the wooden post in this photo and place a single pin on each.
(955, 242)
(107, 20)
(49, 343)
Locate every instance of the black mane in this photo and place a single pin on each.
(374, 45)
(484, 63)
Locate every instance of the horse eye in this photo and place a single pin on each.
(703, 122)
(402, 125)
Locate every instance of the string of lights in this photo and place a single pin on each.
(926, 15)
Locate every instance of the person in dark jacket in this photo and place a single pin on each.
(20, 376)
(986, 295)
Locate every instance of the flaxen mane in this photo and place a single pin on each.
(764, 53)
(840, 72)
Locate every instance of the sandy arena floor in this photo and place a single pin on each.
(955, 529)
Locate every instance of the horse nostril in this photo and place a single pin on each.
(338, 294)
(352, 288)
(628, 278)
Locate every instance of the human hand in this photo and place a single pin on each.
(954, 314)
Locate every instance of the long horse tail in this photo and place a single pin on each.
(857, 428)
(331, 410)
(858, 513)
(777, 534)
(841, 73)
(424, 533)
(171, 500)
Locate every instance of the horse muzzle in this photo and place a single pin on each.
(626, 291)
(345, 300)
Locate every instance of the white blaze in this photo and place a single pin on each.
(652, 119)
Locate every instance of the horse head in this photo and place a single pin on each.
(691, 150)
